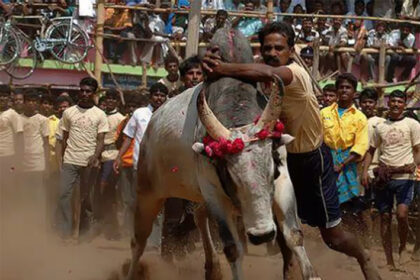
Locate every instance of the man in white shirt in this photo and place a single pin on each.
(11, 143)
(398, 142)
(31, 187)
(84, 126)
(401, 39)
(336, 36)
(135, 129)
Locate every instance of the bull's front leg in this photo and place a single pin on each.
(212, 265)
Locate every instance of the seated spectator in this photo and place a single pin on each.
(234, 5)
(307, 34)
(191, 72)
(374, 38)
(401, 39)
(173, 80)
(248, 26)
(318, 6)
(283, 7)
(307, 55)
(321, 25)
(212, 4)
(298, 10)
(336, 36)
(118, 22)
(411, 10)
(337, 8)
(329, 95)
(384, 8)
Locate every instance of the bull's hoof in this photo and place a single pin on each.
(213, 271)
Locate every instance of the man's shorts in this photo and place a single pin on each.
(403, 190)
(315, 185)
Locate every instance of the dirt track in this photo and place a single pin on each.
(24, 257)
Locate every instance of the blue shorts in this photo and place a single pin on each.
(315, 185)
(107, 170)
(403, 190)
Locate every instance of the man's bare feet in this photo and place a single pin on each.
(404, 257)
(416, 256)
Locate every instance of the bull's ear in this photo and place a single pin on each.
(198, 147)
(286, 139)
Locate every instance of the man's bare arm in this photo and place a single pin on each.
(94, 160)
(123, 150)
(416, 153)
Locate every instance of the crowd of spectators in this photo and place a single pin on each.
(154, 31)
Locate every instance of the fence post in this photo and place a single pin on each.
(270, 8)
(99, 39)
(194, 18)
(315, 65)
(381, 78)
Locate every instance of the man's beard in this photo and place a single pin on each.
(272, 61)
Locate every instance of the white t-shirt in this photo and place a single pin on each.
(10, 124)
(136, 127)
(395, 141)
(110, 151)
(83, 126)
(35, 128)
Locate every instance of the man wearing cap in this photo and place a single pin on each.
(307, 54)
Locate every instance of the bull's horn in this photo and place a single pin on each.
(273, 108)
(213, 126)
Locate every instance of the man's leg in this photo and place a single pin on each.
(68, 177)
(386, 236)
(87, 180)
(128, 195)
(395, 58)
(109, 196)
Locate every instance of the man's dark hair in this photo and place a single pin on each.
(329, 87)
(369, 93)
(158, 87)
(5, 90)
(31, 94)
(112, 93)
(279, 27)
(47, 98)
(171, 59)
(398, 93)
(359, 2)
(91, 82)
(222, 13)
(188, 64)
(62, 99)
(349, 77)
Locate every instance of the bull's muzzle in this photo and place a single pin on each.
(263, 238)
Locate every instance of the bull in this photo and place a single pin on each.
(172, 163)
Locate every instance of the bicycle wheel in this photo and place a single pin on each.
(9, 45)
(24, 65)
(72, 51)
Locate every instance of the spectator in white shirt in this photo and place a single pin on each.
(401, 39)
(336, 36)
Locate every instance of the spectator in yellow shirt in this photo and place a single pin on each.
(346, 134)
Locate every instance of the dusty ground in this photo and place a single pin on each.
(27, 255)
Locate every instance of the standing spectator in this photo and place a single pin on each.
(248, 26)
(234, 5)
(107, 196)
(84, 126)
(18, 102)
(398, 142)
(212, 24)
(47, 106)
(118, 22)
(336, 36)
(374, 39)
(383, 8)
(11, 143)
(401, 39)
(191, 72)
(329, 95)
(359, 10)
(62, 103)
(321, 26)
(32, 187)
(173, 80)
(134, 130)
(346, 134)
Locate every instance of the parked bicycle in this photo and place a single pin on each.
(61, 36)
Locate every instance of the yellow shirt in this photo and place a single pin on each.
(300, 112)
(117, 18)
(351, 130)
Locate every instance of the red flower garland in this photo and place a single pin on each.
(219, 148)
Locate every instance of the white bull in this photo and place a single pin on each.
(169, 167)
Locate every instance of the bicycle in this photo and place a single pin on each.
(61, 36)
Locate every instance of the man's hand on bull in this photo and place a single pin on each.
(211, 61)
